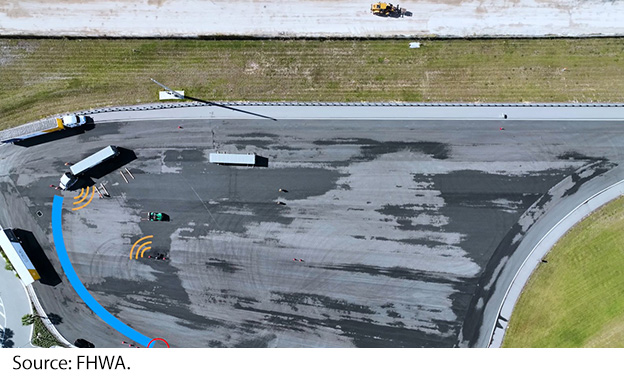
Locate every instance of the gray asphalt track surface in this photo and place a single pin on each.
(402, 226)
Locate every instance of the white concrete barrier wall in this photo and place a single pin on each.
(371, 111)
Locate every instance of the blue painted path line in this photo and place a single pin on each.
(59, 243)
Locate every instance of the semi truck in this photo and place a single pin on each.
(48, 126)
(69, 179)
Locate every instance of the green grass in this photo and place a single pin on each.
(41, 77)
(577, 298)
(42, 337)
(7, 263)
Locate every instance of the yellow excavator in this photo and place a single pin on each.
(388, 10)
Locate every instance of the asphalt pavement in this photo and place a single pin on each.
(386, 232)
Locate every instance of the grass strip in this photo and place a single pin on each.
(7, 263)
(41, 77)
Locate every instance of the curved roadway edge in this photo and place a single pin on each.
(44, 318)
(59, 243)
(539, 250)
(535, 245)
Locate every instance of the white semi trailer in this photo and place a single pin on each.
(232, 159)
(69, 179)
(50, 126)
(12, 247)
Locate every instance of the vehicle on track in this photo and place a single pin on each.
(69, 179)
(155, 217)
(389, 10)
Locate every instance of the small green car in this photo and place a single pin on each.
(155, 216)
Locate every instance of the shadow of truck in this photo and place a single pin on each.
(51, 137)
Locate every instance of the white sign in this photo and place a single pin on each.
(165, 95)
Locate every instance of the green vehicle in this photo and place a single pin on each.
(156, 216)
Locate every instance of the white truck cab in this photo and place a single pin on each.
(67, 181)
(73, 120)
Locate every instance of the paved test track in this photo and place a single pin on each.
(404, 226)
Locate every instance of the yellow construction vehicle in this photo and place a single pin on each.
(388, 10)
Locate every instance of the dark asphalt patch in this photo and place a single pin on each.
(488, 227)
(242, 144)
(371, 149)
(223, 265)
(395, 272)
(473, 314)
(165, 295)
(362, 332)
(258, 342)
(587, 173)
(574, 155)
(254, 135)
(227, 199)
(305, 299)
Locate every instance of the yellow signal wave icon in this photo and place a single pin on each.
(142, 248)
(82, 197)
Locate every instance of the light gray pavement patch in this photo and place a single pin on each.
(14, 303)
(310, 18)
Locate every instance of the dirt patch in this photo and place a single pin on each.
(12, 49)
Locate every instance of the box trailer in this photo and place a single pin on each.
(232, 159)
(70, 178)
(14, 251)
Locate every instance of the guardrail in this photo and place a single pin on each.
(356, 104)
(40, 124)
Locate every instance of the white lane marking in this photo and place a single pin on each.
(4, 326)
